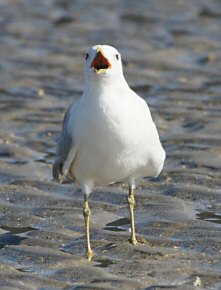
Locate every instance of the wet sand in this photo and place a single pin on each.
(172, 58)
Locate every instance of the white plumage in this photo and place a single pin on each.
(108, 135)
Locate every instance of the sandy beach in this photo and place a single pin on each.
(171, 53)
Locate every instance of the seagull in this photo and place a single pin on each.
(108, 135)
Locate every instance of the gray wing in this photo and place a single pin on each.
(65, 153)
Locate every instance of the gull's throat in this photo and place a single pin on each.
(100, 63)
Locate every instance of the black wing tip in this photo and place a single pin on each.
(57, 170)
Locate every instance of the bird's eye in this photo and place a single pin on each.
(86, 56)
(117, 56)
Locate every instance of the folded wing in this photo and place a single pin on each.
(65, 153)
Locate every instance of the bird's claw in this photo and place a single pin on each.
(133, 241)
(90, 255)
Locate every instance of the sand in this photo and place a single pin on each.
(172, 57)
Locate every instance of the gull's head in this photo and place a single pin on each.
(103, 62)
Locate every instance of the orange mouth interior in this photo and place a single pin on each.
(100, 62)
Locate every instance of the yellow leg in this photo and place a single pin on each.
(131, 203)
(87, 214)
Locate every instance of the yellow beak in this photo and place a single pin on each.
(100, 63)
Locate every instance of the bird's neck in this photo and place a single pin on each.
(103, 85)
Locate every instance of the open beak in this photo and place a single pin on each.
(100, 63)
